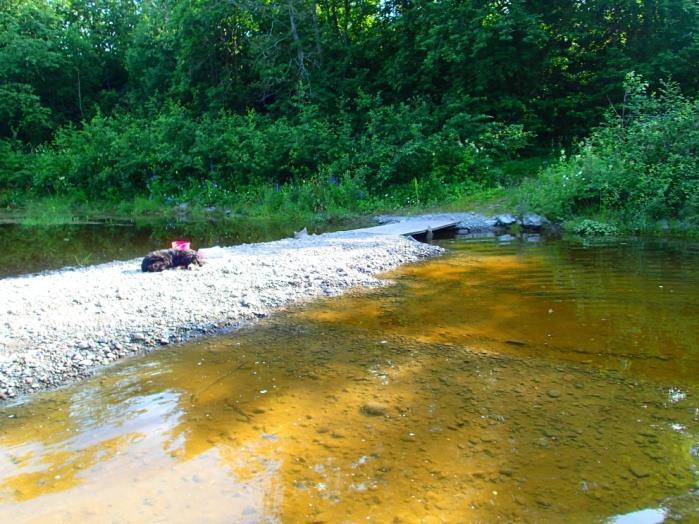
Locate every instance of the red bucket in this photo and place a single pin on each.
(181, 245)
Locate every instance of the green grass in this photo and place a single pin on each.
(300, 203)
(47, 211)
(489, 201)
(320, 201)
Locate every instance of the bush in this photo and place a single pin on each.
(12, 173)
(589, 227)
(404, 150)
(640, 165)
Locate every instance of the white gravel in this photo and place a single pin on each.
(60, 326)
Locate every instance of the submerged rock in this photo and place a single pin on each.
(374, 409)
(639, 472)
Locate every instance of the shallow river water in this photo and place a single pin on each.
(513, 381)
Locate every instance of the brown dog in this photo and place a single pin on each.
(170, 259)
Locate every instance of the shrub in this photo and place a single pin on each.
(403, 150)
(587, 227)
(641, 164)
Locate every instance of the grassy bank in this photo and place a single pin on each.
(313, 207)
(314, 201)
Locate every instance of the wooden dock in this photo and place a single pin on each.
(410, 227)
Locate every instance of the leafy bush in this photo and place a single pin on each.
(640, 165)
(404, 150)
(587, 227)
(11, 172)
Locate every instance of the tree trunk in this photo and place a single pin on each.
(80, 97)
(316, 31)
(347, 20)
(300, 57)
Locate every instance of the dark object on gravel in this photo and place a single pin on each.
(170, 259)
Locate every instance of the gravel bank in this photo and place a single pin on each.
(60, 326)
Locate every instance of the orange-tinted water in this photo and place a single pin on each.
(511, 382)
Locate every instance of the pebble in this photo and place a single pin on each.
(639, 472)
(374, 409)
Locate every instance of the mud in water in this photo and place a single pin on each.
(504, 382)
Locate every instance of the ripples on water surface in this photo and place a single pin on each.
(503, 382)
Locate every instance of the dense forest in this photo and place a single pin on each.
(346, 103)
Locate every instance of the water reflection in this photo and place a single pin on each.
(632, 308)
(644, 516)
(399, 404)
(28, 249)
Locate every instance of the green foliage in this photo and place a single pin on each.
(11, 163)
(60, 62)
(51, 210)
(640, 165)
(406, 142)
(316, 100)
(550, 66)
(21, 113)
(588, 227)
(174, 154)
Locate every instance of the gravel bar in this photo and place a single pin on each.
(60, 326)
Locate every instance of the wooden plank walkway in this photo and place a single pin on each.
(409, 227)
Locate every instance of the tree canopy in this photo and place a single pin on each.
(392, 84)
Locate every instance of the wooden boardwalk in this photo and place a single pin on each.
(410, 227)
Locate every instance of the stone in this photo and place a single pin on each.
(534, 221)
(639, 472)
(142, 315)
(505, 220)
(374, 409)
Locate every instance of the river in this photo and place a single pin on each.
(511, 380)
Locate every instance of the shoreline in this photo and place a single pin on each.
(61, 326)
